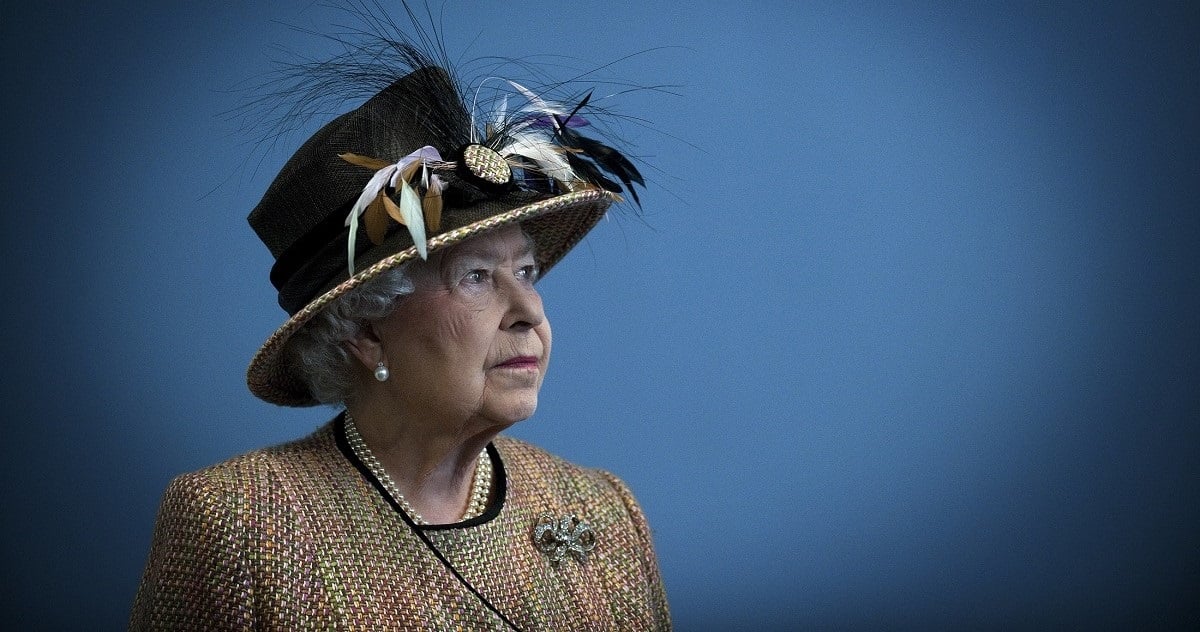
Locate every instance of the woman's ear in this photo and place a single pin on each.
(365, 346)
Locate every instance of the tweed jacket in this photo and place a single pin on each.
(302, 537)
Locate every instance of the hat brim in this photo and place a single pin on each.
(556, 225)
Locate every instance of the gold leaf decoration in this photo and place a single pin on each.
(431, 204)
(376, 218)
(364, 161)
(409, 171)
(393, 211)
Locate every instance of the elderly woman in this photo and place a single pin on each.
(409, 234)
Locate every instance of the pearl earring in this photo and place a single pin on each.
(381, 372)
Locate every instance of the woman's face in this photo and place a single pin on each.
(471, 341)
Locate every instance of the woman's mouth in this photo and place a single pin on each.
(519, 362)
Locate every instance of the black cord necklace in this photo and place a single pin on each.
(348, 450)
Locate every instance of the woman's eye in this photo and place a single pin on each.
(476, 276)
(528, 273)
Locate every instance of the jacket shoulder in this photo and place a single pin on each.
(306, 454)
(534, 467)
(525, 458)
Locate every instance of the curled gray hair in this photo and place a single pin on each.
(318, 352)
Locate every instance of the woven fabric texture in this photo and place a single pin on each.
(296, 538)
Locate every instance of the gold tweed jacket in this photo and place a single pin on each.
(301, 537)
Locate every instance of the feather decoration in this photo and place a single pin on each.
(374, 203)
(376, 219)
(606, 157)
(540, 136)
(546, 156)
(591, 173)
(409, 213)
(498, 116)
(543, 132)
(536, 103)
(537, 112)
(431, 202)
(371, 193)
(364, 161)
(549, 121)
(406, 173)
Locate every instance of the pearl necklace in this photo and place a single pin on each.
(481, 484)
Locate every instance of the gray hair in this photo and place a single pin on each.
(318, 352)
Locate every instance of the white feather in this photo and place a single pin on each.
(499, 114)
(536, 103)
(374, 186)
(548, 156)
(414, 219)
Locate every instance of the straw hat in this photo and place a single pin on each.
(411, 171)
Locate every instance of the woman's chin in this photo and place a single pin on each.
(509, 413)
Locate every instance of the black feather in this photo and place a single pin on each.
(582, 102)
(611, 159)
(591, 173)
(606, 157)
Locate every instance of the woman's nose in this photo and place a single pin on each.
(524, 305)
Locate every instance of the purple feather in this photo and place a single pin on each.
(547, 121)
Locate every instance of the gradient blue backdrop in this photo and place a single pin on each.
(906, 337)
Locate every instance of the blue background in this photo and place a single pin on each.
(905, 338)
